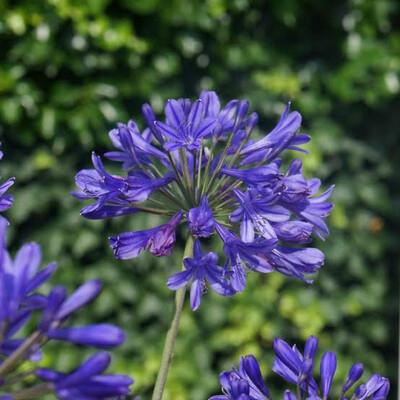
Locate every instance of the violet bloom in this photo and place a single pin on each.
(291, 365)
(6, 200)
(297, 262)
(160, 240)
(202, 269)
(199, 166)
(114, 194)
(184, 129)
(246, 383)
(284, 135)
(20, 278)
(58, 309)
(133, 148)
(200, 219)
(242, 256)
(87, 381)
(299, 197)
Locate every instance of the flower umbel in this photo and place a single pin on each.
(199, 166)
(246, 383)
(19, 301)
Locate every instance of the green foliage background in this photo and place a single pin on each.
(70, 69)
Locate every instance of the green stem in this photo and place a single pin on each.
(186, 175)
(232, 161)
(219, 164)
(165, 191)
(3, 328)
(159, 203)
(172, 332)
(178, 179)
(227, 224)
(151, 209)
(220, 196)
(171, 197)
(18, 353)
(209, 158)
(199, 175)
(32, 393)
(298, 390)
(194, 176)
(17, 377)
(236, 155)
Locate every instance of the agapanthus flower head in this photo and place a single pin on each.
(20, 278)
(289, 363)
(199, 166)
(246, 383)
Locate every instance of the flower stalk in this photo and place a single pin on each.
(172, 333)
(9, 363)
(33, 392)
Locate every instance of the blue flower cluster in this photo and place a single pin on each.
(201, 167)
(22, 306)
(246, 382)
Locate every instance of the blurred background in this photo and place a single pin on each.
(69, 70)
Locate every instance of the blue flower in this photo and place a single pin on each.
(225, 118)
(201, 269)
(292, 366)
(199, 167)
(21, 277)
(327, 371)
(289, 363)
(288, 395)
(354, 374)
(252, 219)
(284, 135)
(58, 309)
(6, 200)
(96, 335)
(200, 219)
(19, 280)
(133, 148)
(160, 240)
(114, 193)
(254, 177)
(246, 383)
(296, 261)
(185, 130)
(87, 381)
(305, 205)
(239, 253)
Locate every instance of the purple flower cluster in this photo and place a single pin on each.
(200, 166)
(246, 382)
(20, 278)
